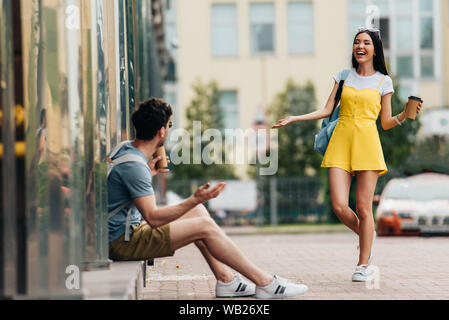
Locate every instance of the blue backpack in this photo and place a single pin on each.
(323, 137)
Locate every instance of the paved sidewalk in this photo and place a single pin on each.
(409, 267)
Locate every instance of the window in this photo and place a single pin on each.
(408, 30)
(171, 40)
(426, 5)
(300, 28)
(384, 27)
(171, 97)
(405, 66)
(427, 66)
(262, 22)
(426, 39)
(171, 33)
(224, 30)
(404, 7)
(426, 33)
(229, 105)
(404, 38)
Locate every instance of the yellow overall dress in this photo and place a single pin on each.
(355, 143)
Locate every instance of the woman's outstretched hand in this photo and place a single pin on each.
(284, 122)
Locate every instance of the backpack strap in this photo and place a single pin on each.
(117, 149)
(345, 74)
(127, 158)
(118, 209)
(128, 217)
(111, 165)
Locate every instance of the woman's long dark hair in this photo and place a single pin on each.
(379, 59)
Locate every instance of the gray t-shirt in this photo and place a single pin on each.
(127, 181)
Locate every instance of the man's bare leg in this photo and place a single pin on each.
(220, 270)
(186, 231)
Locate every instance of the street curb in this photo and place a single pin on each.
(240, 231)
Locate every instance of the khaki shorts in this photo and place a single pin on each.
(145, 243)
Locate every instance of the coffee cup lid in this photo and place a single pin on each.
(415, 98)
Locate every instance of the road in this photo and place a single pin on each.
(409, 267)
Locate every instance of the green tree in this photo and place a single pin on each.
(204, 107)
(430, 154)
(397, 143)
(297, 156)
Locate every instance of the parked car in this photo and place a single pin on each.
(415, 205)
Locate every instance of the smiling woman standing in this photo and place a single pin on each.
(355, 148)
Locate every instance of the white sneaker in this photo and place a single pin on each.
(280, 288)
(362, 274)
(238, 287)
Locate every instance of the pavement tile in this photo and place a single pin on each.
(324, 262)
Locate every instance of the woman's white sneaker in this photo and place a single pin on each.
(238, 287)
(280, 288)
(362, 274)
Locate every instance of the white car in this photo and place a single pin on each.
(415, 205)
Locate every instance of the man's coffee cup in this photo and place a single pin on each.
(161, 164)
(412, 107)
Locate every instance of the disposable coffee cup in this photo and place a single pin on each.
(412, 107)
(161, 164)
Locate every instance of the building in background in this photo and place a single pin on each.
(171, 44)
(252, 47)
(445, 24)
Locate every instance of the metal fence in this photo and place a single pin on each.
(290, 200)
(280, 201)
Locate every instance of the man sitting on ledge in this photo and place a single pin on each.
(158, 232)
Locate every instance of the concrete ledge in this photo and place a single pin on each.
(123, 281)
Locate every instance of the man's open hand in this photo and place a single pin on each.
(204, 194)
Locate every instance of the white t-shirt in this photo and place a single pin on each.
(372, 82)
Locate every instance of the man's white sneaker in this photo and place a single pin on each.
(280, 288)
(362, 274)
(238, 287)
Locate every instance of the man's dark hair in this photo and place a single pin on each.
(150, 117)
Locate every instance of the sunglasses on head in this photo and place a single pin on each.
(376, 31)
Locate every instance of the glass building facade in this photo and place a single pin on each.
(72, 72)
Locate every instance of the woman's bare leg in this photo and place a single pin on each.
(340, 184)
(366, 185)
